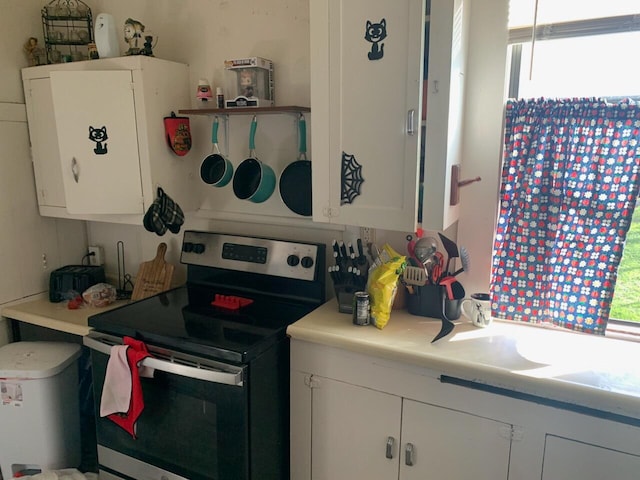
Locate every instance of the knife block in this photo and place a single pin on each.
(427, 302)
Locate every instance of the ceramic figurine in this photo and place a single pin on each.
(134, 36)
(31, 48)
(204, 94)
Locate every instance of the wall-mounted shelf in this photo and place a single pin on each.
(244, 111)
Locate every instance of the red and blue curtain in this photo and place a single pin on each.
(568, 191)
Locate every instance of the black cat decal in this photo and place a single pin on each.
(375, 33)
(99, 135)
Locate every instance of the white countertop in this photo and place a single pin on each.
(580, 369)
(56, 316)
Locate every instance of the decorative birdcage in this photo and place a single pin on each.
(67, 26)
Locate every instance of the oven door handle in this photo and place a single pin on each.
(208, 371)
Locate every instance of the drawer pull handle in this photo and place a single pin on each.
(390, 442)
(408, 455)
(411, 122)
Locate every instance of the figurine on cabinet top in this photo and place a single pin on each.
(134, 36)
(35, 54)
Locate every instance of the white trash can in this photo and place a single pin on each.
(39, 407)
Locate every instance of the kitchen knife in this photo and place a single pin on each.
(343, 251)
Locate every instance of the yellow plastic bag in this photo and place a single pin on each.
(383, 284)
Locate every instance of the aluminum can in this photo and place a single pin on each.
(361, 307)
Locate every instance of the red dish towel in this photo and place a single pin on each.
(120, 378)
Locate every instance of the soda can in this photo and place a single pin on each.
(361, 306)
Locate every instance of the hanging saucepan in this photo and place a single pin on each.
(295, 181)
(216, 170)
(254, 180)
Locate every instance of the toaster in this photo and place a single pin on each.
(75, 278)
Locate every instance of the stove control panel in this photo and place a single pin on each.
(265, 256)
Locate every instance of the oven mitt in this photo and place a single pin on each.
(163, 214)
(170, 212)
(136, 352)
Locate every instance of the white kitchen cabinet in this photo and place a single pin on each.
(566, 458)
(113, 179)
(355, 432)
(442, 443)
(363, 433)
(346, 405)
(366, 96)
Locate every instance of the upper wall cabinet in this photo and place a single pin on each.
(97, 135)
(368, 70)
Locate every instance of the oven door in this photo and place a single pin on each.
(194, 424)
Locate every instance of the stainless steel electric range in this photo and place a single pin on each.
(217, 406)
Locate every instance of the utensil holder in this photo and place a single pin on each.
(427, 302)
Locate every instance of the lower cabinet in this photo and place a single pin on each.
(565, 458)
(357, 416)
(358, 432)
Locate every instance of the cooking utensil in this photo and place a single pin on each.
(415, 276)
(465, 260)
(153, 276)
(451, 248)
(254, 180)
(435, 267)
(295, 180)
(216, 169)
(453, 288)
(424, 248)
(447, 325)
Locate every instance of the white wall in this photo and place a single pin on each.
(203, 33)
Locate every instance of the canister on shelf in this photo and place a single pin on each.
(361, 306)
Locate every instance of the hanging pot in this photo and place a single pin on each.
(295, 180)
(253, 180)
(216, 169)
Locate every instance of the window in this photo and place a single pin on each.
(577, 51)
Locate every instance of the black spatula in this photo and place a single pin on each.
(451, 248)
(447, 325)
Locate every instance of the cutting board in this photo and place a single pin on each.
(153, 276)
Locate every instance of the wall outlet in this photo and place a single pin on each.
(367, 235)
(98, 255)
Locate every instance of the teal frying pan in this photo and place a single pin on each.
(295, 180)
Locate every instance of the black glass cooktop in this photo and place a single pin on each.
(184, 319)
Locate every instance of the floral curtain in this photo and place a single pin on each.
(568, 190)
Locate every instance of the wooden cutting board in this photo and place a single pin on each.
(153, 276)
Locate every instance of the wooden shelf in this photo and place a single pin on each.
(244, 110)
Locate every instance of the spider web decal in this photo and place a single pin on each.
(351, 179)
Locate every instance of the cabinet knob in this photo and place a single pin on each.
(390, 442)
(408, 455)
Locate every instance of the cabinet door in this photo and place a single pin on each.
(96, 123)
(564, 458)
(450, 445)
(44, 143)
(365, 98)
(351, 427)
(447, 55)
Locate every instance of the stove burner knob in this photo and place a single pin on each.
(198, 248)
(187, 247)
(307, 262)
(293, 260)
